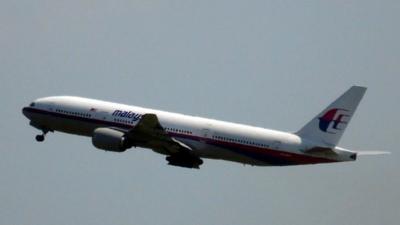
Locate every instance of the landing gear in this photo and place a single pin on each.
(184, 160)
(40, 137)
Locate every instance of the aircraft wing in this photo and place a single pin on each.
(149, 132)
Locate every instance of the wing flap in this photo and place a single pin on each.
(149, 133)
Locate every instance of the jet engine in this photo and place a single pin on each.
(109, 139)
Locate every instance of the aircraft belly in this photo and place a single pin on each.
(248, 155)
(204, 150)
(72, 126)
(227, 154)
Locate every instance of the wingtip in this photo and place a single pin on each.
(359, 87)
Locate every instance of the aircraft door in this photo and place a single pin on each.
(51, 107)
(207, 133)
(50, 120)
(276, 145)
(101, 115)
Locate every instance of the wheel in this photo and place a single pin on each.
(39, 138)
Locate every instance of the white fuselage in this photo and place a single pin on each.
(208, 138)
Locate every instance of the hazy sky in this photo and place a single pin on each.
(272, 64)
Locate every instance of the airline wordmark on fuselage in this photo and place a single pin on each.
(127, 114)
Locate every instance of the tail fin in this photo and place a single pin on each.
(328, 127)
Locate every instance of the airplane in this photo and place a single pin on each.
(185, 140)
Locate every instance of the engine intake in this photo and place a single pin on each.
(109, 139)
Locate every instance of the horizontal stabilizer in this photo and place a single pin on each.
(372, 153)
(364, 152)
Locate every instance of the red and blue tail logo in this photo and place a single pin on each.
(333, 116)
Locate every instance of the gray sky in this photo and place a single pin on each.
(273, 64)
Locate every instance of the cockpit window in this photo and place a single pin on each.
(32, 104)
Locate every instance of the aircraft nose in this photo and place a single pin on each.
(25, 111)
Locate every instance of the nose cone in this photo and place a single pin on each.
(26, 112)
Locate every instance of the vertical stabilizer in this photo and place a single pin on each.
(328, 127)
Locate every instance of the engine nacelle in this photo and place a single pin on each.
(109, 139)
